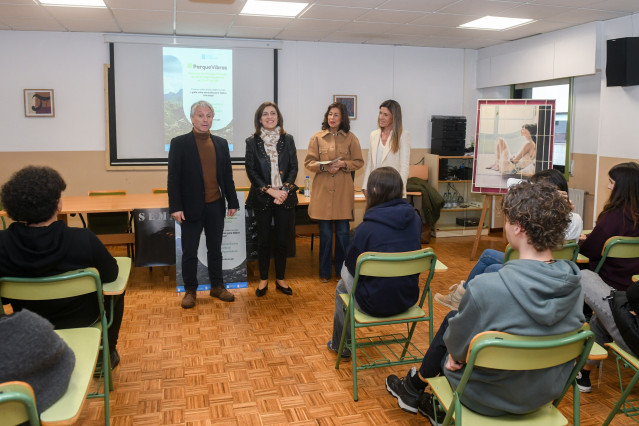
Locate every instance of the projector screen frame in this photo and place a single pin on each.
(113, 162)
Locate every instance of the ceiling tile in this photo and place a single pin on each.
(417, 5)
(615, 5)
(252, 32)
(210, 6)
(141, 22)
(394, 39)
(582, 16)
(334, 12)
(32, 11)
(567, 3)
(390, 16)
(444, 19)
(479, 7)
(140, 4)
(416, 30)
(303, 35)
(352, 3)
(262, 21)
(28, 24)
(203, 24)
(534, 11)
(315, 25)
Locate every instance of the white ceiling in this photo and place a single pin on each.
(398, 22)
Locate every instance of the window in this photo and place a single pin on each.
(560, 91)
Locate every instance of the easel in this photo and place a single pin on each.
(487, 201)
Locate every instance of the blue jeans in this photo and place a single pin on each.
(338, 313)
(489, 261)
(326, 245)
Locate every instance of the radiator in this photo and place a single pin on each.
(577, 198)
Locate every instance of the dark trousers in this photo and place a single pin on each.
(118, 313)
(436, 354)
(212, 221)
(342, 237)
(273, 240)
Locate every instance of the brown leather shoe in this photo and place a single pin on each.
(189, 299)
(222, 294)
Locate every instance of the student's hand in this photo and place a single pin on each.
(231, 212)
(453, 365)
(583, 237)
(178, 216)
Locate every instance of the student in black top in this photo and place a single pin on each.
(36, 244)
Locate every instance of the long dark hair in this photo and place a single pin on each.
(625, 193)
(552, 176)
(384, 184)
(345, 124)
(532, 129)
(258, 116)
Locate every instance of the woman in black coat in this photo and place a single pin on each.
(271, 166)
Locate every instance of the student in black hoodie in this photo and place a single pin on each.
(36, 244)
(390, 225)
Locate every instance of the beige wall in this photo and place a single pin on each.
(86, 170)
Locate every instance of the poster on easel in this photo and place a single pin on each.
(233, 254)
(514, 139)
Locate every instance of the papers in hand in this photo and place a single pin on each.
(329, 161)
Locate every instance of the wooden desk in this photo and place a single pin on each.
(112, 203)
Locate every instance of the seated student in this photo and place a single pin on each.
(390, 225)
(32, 352)
(534, 295)
(38, 245)
(493, 260)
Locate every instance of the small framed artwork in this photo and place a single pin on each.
(38, 103)
(351, 104)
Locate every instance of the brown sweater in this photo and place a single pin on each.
(206, 149)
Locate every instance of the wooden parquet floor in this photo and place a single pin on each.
(264, 361)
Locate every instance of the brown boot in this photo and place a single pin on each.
(189, 299)
(425, 238)
(222, 294)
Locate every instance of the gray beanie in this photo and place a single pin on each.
(32, 352)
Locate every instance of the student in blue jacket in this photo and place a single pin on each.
(390, 225)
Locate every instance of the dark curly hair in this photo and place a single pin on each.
(345, 124)
(32, 194)
(540, 210)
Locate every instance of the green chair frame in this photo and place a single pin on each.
(387, 265)
(569, 251)
(159, 191)
(619, 247)
(504, 351)
(70, 284)
(627, 406)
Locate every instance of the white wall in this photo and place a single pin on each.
(425, 81)
(69, 63)
(619, 106)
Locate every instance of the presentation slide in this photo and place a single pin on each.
(155, 86)
(192, 75)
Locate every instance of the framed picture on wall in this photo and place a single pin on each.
(351, 104)
(514, 139)
(38, 103)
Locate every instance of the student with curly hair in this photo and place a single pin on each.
(534, 295)
(37, 244)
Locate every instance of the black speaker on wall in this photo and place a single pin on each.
(622, 65)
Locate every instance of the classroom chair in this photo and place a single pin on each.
(113, 227)
(381, 351)
(619, 247)
(569, 251)
(504, 351)
(70, 284)
(628, 407)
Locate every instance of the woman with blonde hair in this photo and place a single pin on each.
(389, 143)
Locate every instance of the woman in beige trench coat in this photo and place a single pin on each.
(333, 153)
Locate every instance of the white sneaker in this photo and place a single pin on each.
(452, 299)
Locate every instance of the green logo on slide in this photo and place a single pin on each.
(189, 66)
